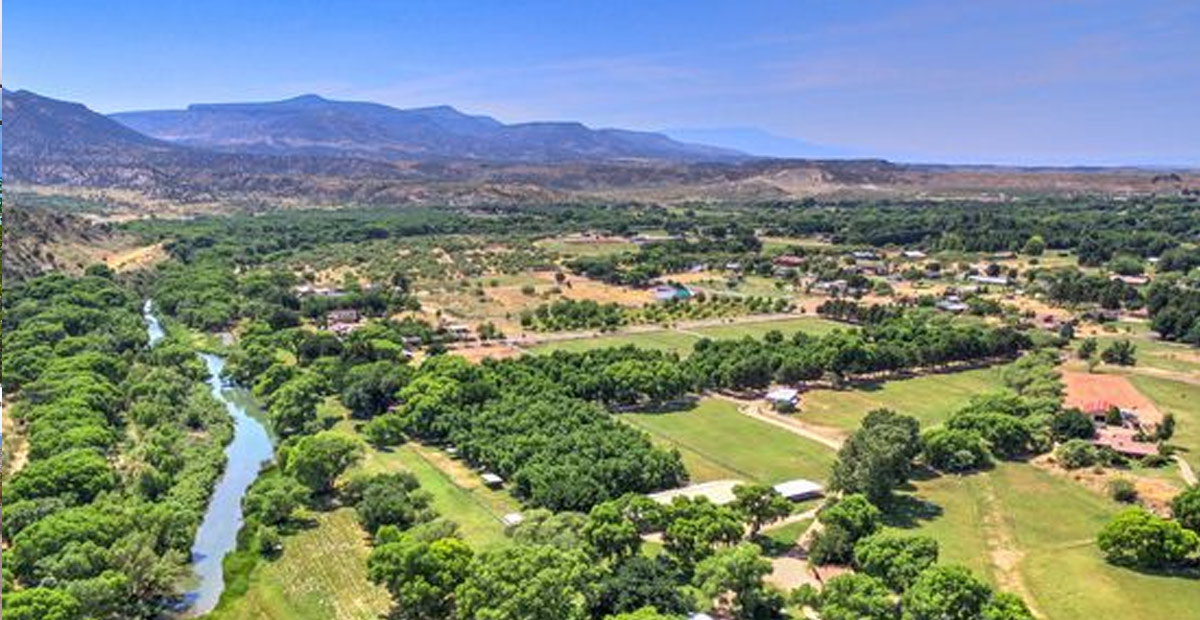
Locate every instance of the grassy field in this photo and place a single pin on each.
(717, 443)
(681, 341)
(579, 248)
(1181, 399)
(662, 340)
(809, 325)
(931, 398)
(1157, 353)
(1041, 527)
(321, 575)
(457, 492)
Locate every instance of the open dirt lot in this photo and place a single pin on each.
(1085, 389)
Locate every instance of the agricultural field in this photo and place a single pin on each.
(717, 442)
(1033, 532)
(571, 246)
(321, 575)
(929, 398)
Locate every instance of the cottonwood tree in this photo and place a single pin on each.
(317, 460)
(895, 559)
(759, 504)
(1139, 539)
(1186, 508)
(855, 596)
(527, 582)
(421, 575)
(735, 575)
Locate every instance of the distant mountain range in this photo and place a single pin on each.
(759, 142)
(312, 125)
(311, 151)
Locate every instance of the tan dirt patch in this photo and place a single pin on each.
(1154, 494)
(790, 572)
(136, 258)
(476, 354)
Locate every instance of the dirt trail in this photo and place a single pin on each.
(1003, 551)
(1186, 472)
(792, 425)
(1181, 377)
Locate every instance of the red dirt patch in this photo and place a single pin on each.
(1084, 390)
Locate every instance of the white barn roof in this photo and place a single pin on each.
(783, 394)
(799, 489)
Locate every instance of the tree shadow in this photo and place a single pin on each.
(909, 511)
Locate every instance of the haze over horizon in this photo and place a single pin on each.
(1087, 82)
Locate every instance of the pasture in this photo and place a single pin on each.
(1182, 400)
(1033, 532)
(321, 575)
(929, 398)
(681, 339)
(717, 442)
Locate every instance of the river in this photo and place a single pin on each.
(245, 455)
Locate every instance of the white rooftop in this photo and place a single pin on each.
(718, 492)
(783, 394)
(799, 488)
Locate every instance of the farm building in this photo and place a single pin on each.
(342, 322)
(831, 286)
(1123, 441)
(511, 519)
(787, 260)
(1130, 280)
(914, 254)
(719, 492)
(670, 292)
(784, 398)
(459, 331)
(996, 280)
(492, 480)
(799, 489)
(952, 304)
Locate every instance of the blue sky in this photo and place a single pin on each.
(1014, 81)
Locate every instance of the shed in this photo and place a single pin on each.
(492, 480)
(512, 518)
(783, 397)
(799, 489)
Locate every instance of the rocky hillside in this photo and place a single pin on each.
(37, 241)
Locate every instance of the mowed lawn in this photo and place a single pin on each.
(930, 398)
(321, 575)
(1044, 526)
(717, 442)
(1182, 400)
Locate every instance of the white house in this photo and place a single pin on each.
(783, 397)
